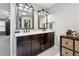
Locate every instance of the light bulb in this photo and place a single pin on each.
(26, 6)
(31, 7)
(23, 13)
(21, 4)
(29, 10)
(20, 8)
(39, 13)
(25, 9)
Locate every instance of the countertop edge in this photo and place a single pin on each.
(27, 34)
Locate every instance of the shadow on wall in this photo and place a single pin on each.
(56, 40)
(56, 46)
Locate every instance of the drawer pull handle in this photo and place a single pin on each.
(66, 52)
(66, 42)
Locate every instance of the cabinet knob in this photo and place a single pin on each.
(66, 52)
(66, 42)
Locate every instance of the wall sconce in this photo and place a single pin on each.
(42, 12)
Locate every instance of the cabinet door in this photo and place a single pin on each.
(52, 39)
(42, 42)
(35, 45)
(23, 46)
(49, 40)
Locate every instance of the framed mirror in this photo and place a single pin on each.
(25, 16)
(42, 19)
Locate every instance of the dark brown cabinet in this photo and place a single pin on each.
(49, 40)
(24, 46)
(42, 43)
(34, 44)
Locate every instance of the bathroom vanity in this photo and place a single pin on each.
(31, 45)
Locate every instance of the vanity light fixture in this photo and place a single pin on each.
(42, 12)
(27, 7)
(20, 6)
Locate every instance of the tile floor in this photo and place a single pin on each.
(53, 51)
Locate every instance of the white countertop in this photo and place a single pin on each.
(31, 33)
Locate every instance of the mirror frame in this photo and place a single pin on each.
(17, 18)
(46, 22)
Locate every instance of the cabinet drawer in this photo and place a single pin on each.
(76, 45)
(67, 43)
(76, 54)
(66, 52)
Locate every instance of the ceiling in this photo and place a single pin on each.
(4, 8)
(45, 5)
